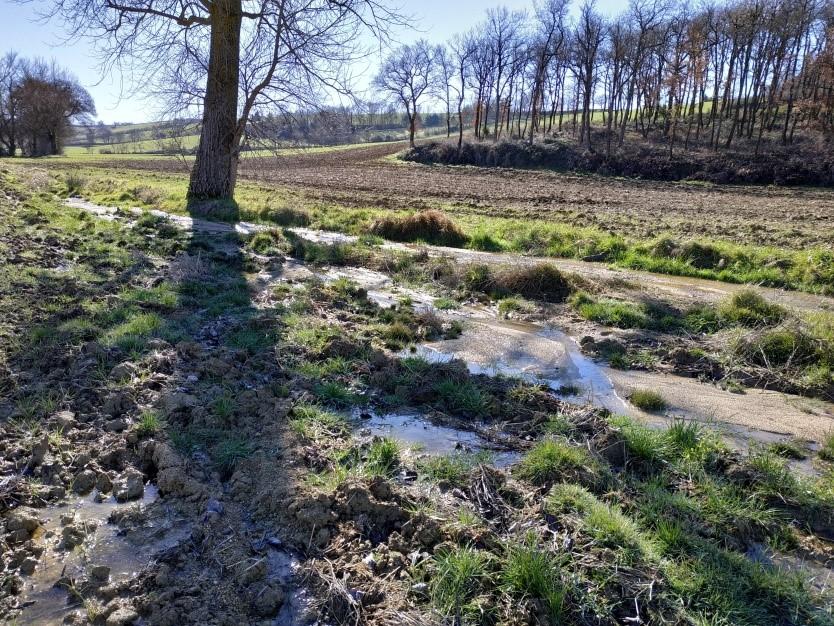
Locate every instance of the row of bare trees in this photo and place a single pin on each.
(720, 75)
(38, 104)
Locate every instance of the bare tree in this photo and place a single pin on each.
(445, 72)
(587, 41)
(228, 58)
(463, 50)
(10, 72)
(407, 76)
(47, 101)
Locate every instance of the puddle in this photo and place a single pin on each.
(547, 356)
(285, 567)
(125, 553)
(414, 430)
(816, 575)
(533, 353)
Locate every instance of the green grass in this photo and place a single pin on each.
(603, 522)
(748, 308)
(463, 397)
(452, 468)
(530, 571)
(551, 460)
(383, 457)
(648, 400)
(808, 270)
(459, 575)
(313, 422)
(149, 424)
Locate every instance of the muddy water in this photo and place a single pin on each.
(412, 429)
(125, 553)
(494, 346)
(545, 355)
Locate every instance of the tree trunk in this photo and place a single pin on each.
(215, 168)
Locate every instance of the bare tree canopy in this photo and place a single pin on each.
(39, 102)
(406, 76)
(229, 58)
(720, 75)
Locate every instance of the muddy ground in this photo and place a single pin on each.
(195, 432)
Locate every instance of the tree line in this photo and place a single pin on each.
(39, 102)
(722, 74)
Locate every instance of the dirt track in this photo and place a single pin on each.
(792, 217)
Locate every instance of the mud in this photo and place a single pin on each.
(680, 289)
(57, 586)
(494, 346)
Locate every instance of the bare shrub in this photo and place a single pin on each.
(285, 216)
(148, 195)
(542, 281)
(429, 226)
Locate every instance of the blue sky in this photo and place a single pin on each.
(437, 21)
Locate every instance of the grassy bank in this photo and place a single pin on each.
(810, 269)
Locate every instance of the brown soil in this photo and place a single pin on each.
(761, 215)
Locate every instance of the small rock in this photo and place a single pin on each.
(170, 403)
(65, 420)
(74, 534)
(254, 572)
(116, 404)
(269, 601)
(123, 371)
(84, 482)
(123, 616)
(421, 590)
(39, 450)
(81, 459)
(27, 567)
(117, 425)
(130, 486)
(57, 492)
(370, 561)
(100, 573)
(23, 519)
(103, 483)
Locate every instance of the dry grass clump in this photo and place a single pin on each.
(429, 226)
(542, 281)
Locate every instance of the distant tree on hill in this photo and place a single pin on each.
(38, 104)
(10, 72)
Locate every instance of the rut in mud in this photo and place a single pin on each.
(262, 398)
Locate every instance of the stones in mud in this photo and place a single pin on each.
(117, 404)
(123, 371)
(40, 450)
(21, 523)
(268, 601)
(420, 590)
(27, 567)
(123, 616)
(65, 421)
(117, 425)
(103, 482)
(170, 403)
(100, 574)
(172, 478)
(252, 572)
(129, 486)
(84, 482)
(74, 534)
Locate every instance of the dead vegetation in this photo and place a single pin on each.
(427, 226)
